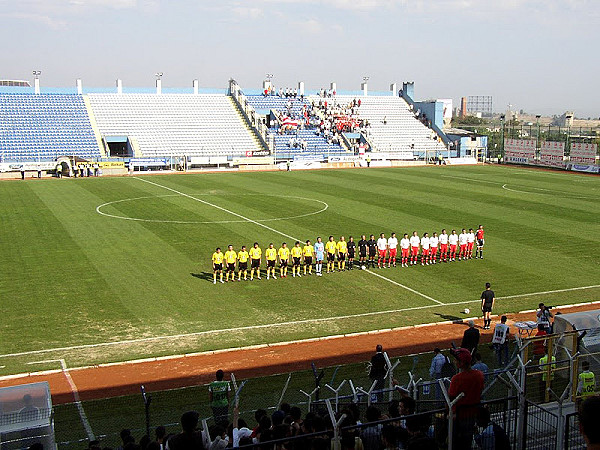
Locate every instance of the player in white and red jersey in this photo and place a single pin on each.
(480, 241)
(405, 247)
(443, 245)
(425, 249)
(382, 249)
(452, 242)
(414, 248)
(433, 243)
(392, 249)
(462, 244)
(470, 243)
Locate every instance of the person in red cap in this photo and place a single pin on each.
(469, 382)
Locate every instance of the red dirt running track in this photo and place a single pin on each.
(125, 378)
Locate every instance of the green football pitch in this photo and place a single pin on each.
(110, 269)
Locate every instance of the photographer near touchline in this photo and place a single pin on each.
(543, 316)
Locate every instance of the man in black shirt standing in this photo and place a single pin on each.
(487, 303)
(351, 252)
(362, 251)
(378, 369)
(372, 243)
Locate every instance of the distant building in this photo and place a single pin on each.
(468, 143)
(566, 120)
(480, 104)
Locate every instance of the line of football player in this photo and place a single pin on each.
(371, 252)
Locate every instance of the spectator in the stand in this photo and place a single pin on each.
(470, 339)
(480, 365)
(418, 439)
(469, 382)
(492, 436)
(218, 392)
(588, 422)
(389, 437)
(189, 438)
(160, 432)
(371, 435)
(378, 368)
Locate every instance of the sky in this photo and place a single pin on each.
(539, 56)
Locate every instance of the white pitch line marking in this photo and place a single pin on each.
(75, 392)
(218, 207)
(271, 229)
(549, 192)
(114, 216)
(556, 291)
(405, 287)
(281, 324)
(471, 179)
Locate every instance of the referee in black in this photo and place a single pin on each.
(487, 303)
(362, 251)
(351, 252)
(372, 243)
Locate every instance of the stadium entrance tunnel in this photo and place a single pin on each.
(119, 146)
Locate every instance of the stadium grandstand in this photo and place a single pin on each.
(199, 128)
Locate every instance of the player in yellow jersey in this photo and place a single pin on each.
(230, 259)
(296, 252)
(308, 252)
(217, 262)
(243, 257)
(255, 256)
(330, 248)
(271, 256)
(284, 256)
(342, 249)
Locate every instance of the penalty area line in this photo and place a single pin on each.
(75, 392)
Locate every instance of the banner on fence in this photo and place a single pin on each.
(583, 153)
(552, 154)
(519, 151)
(590, 168)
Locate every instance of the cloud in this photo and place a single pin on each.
(48, 21)
(247, 13)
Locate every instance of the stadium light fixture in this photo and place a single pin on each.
(158, 75)
(37, 73)
(365, 79)
(269, 76)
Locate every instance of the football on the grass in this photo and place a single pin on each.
(467, 310)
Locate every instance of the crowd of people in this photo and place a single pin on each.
(302, 257)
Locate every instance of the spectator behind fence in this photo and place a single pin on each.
(218, 393)
(470, 339)
(160, 432)
(469, 382)
(492, 436)
(588, 422)
(418, 427)
(371, 435)
(480, 365)
(189, 438)
(500, 341)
